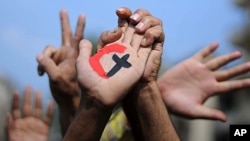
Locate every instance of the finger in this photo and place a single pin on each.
(208, 113)
(154, 35)
(15, 106)
(128, 35)
(79, 31)
(49, 52)
(143, 54)
(227, 86)
(49, 115)
(48, 66)
(220, 61)
(206, 51)
(65, 27)
(136, 41)
(146, 23)
(27, 105)
(136, 17)
(223, 75)
(10, 122)
(109, 37)
(154, 61)
(38, 105)
(85, 49)
(123, 14)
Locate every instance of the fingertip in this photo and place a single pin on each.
(63, 11)
(39, 57)
(28, 89)
(84, 43)
(82, 19)
(40, 70)
(135, 17)
(214, 45)
(237, 53)
(223, 118)
(219, 115)
(123, 12)
(82, 16)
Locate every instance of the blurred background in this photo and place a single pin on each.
(27, 26)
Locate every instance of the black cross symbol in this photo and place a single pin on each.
(120, 62)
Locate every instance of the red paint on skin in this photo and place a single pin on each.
(95, 59)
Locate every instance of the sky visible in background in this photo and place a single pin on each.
(27, 26)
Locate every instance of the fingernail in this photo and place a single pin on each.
(135, 17)
(139, 26)
(120, 10)
(40, 72)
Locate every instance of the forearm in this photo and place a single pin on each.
(150, 113)
(89, 122)
(66, 115)
(68, 104)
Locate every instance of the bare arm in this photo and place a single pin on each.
(150, 119)
(144, 107)
(59, 64)
(89, 122)
(105, 78)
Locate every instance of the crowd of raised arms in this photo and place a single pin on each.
(115, 93)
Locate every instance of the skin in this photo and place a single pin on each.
(200, 90)
(143, 106)
(150, 35)
(101, 94)
(190, 83)
(31, 125)
(59, 64)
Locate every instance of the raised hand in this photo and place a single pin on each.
(189, 84)
(105, 78)
(31, 126)
(144, 103)
(111, 72)
(146, 24)
(59, 63)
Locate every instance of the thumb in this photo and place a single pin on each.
(208, 113)
(85, 49)
(10, 121)
(109, 37)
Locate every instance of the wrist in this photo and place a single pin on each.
(145, 88)
(69, 103)
(89, 99)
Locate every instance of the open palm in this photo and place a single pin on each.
(109, 86)
(189, 84)
(30, 126)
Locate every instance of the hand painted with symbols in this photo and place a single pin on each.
(114, 69)
(145, 24)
